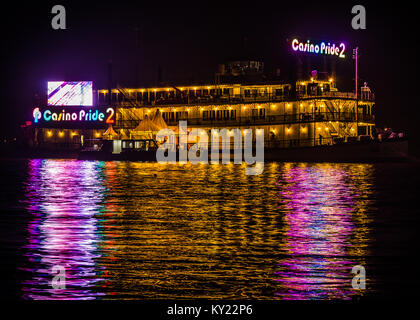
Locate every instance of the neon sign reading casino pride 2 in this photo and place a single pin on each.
(86, 116)
(322, 48)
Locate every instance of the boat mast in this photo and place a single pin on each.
(356, 60)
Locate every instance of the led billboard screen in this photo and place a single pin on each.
(70, 93)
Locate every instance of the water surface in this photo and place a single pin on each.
(127, 230)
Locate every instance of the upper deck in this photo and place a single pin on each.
(226, 94)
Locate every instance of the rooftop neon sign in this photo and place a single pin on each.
(321, 48)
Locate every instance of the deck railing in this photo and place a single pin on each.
(261, 120)
(242, 98)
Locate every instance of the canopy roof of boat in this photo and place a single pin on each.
(147, 125)
(110, 132)
(158, 120)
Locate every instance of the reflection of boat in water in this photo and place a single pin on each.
(136, 150)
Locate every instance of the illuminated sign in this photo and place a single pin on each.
(70, 93)
(37, 115)
(321, 48)
(59, 116)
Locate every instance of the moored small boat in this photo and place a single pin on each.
(134, 150)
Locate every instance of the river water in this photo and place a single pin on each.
(127, 230)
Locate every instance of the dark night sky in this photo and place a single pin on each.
(189, 39)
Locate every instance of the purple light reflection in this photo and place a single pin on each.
(319, 201)
(63, 197)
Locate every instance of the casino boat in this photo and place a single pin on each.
(307, 113)
(299, 118)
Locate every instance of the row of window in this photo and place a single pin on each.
(313, 89)
(168, 95)
(171, 116)
(219, 114)
(261, 93)
(211, 115)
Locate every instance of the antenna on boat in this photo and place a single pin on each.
(356, 62)
(356, 59)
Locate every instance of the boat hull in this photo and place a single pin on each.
(395, 151)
